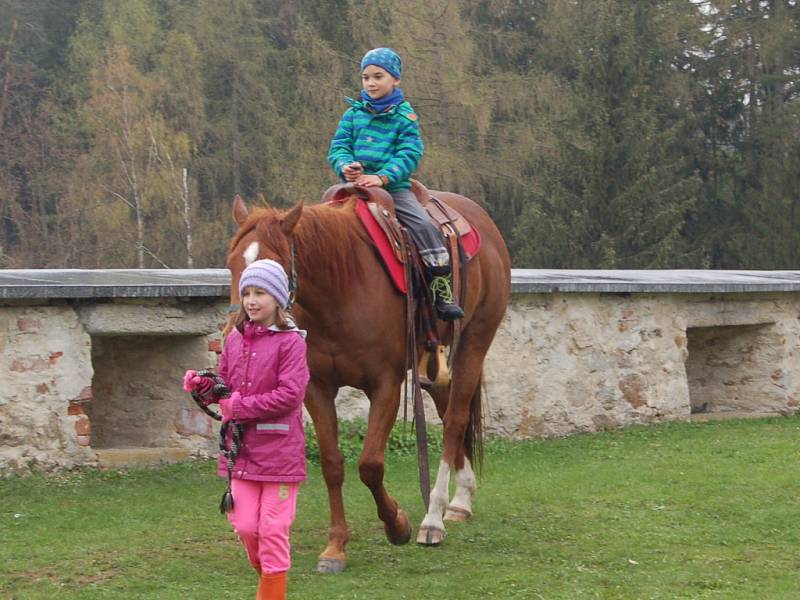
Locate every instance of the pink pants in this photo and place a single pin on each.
(262, 516)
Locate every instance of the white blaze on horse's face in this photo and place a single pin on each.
(251, 253)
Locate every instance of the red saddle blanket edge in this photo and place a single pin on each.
(393, 266)
(471, 243)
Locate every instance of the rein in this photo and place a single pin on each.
(411, 356)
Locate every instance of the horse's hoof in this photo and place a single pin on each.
(454, 513)
(430, 536)
(330, 565)
(401, 532)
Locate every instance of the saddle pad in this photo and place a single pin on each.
(393, 266)
(471, 243)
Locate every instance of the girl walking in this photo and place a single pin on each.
(264, 366)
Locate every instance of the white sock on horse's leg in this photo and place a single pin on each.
(438, 500)
(465, 489)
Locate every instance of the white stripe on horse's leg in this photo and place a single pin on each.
(461, 506)
(251, 253)
(438, 501)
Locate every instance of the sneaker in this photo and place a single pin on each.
(443, 299)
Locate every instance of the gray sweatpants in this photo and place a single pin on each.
(426, 235)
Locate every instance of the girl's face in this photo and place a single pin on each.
(259, 305)
(377, 82)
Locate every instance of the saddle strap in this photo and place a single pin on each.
(391, 227)
(442, 214)
(451, 235)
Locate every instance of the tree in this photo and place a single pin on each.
(748, 84)
(619, 187)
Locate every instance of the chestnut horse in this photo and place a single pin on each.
(356, 324)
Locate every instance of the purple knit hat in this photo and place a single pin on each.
(267, 275)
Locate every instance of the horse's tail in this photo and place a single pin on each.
(473, 439)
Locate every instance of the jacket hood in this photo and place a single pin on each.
(293, 327)
(251, 328)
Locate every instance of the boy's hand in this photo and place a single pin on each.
(369, 181)
(352, 171)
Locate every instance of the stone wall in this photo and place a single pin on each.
(45, 364)
(83, 380)
(90, 381)
(563, 363)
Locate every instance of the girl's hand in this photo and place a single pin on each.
(226, 406)
(352, 171)
(369, 181)
(190, 380)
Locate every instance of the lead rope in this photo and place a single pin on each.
(226, 504)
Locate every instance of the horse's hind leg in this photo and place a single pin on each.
(384, 402)
(460, 507)
(467, 367)
(321, 407)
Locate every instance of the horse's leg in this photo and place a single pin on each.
(467, 366)
(321, 407)
(384, 403)
(460, 508)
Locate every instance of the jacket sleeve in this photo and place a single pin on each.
(408, 152)
(288, 394)
(340, 152)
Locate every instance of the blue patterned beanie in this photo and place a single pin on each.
(386, 59)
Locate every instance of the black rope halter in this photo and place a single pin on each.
(230, 454)
(214, 394)
(219, 390)
(292, 274)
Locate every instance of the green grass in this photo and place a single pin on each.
(663, 512)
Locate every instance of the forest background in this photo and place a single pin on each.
(597, 133)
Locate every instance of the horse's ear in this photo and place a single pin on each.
(290, 220)
(239, 210)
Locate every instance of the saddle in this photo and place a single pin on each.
(375, 210)
(376, 213)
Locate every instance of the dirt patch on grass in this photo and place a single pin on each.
(88, 573)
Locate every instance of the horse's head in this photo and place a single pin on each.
(264, 233)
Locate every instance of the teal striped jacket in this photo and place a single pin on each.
(386, 143)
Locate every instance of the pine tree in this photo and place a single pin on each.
(619, 185)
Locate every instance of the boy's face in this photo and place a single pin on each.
(377, 82)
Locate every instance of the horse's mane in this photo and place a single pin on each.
(327, 238)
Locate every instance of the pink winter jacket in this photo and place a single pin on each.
(269, 369)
